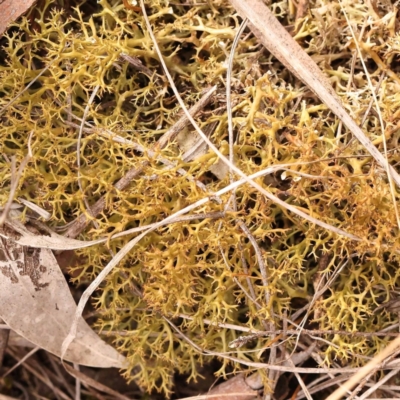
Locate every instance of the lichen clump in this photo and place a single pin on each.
(193, 272)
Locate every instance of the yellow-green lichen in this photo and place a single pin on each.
(180, 268)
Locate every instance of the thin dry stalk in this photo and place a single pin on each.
(364, 371)
(332, 377)
(38, 210)
(282, 368)
(321, 291)
(242, 226)
(301, 382)
(250, 296)
(368, 377)
(77, 384)
(61, 378)
(42, 378)
(379, 384)
(315, 388)
(21, 361)
(78, 151)
(350, 82)
(182, 122)
(57, 242)
(91, 382)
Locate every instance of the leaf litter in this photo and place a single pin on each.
(41, 307)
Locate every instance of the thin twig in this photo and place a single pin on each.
(21, 361)
(78, 152)
(322, 370)
(61, 378)
(373, 365)
(77, 384)
(369, 376)
(350, 81)
(301, 382)
(374, 387)
(93, 383)
(58, 242)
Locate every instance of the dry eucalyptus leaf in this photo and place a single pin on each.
(35, 302)
(10, 10)
(53, 242)
(19, 341)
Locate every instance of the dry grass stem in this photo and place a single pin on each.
(21, 361)
(78, 151)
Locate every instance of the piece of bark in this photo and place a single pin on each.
(239, 388)
(10, 10)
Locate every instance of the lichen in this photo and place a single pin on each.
(179, 268)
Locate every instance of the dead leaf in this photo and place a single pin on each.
(35, 302)
(10, 10)
(19, 341)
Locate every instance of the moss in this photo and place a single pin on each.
(180, 268)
